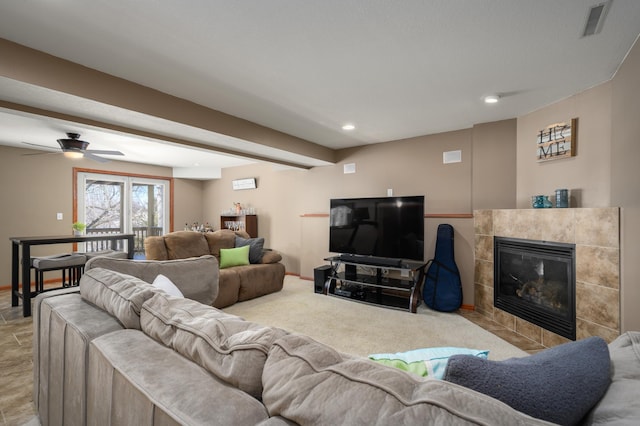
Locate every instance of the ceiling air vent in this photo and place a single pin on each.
(595, 19)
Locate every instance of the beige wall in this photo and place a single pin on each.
(625, 175)
(605, 171)
(588, 174)
(498, 170)
(36, 187)
(293, 204)
(494, 165)
(187, 202)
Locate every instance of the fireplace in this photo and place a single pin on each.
(535, 280)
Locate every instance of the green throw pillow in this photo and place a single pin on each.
(234, 257)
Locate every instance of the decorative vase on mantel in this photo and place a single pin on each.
(541, 202)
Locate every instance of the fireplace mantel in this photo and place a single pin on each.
(594, 231)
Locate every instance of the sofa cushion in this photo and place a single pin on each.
(310, 383)
(119, 294)
(154, 248)
(621, 405)
(232, 349)
(256, 246)
(559, 385)
(234, 257)
(221, 239)
(184, 244)
(196, 278)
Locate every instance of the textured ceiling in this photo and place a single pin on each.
(395, 69)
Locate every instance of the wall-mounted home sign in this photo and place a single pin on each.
(557, 141)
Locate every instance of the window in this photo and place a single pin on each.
(110, 203)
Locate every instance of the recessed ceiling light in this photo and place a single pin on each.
(348, 126)
(491, 99)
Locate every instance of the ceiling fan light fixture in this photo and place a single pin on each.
(73, 154)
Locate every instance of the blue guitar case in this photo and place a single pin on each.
(442, 288)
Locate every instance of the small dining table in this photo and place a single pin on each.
(25, 244)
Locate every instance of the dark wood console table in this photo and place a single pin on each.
(391, 286)
(27, 242)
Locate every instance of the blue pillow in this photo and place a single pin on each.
(559, 385)
(428, 362)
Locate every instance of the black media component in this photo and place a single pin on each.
(320, 276)
(384, 227)
(350, 272)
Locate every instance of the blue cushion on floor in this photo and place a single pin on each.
(559, 385)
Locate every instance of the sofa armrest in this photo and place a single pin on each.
(155, 249)
(270, 256)
(620, 403)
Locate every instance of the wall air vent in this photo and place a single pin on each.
(595, 18)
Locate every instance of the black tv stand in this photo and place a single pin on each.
(394, 284)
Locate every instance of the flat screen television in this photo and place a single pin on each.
(387, 227)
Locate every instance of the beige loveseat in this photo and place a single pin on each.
(264, 275)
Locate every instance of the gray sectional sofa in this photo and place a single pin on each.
(120, 351)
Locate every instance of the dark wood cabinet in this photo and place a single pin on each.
(246, 222)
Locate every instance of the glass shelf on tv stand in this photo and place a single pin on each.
(396, 287)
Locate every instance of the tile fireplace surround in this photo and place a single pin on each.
(594, 231)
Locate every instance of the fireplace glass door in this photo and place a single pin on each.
(535, 280)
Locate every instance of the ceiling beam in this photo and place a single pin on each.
(142, 133)
(37, 68)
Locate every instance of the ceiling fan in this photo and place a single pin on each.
(73, 147)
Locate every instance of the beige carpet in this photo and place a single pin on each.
(361, 329)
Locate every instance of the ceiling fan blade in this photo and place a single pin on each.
(89, 155)
(46, 148)
(104, 152)
(41, 153)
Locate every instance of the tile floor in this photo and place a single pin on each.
(501, 331)
(16, 365)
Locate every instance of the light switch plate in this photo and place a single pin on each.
(59, 216)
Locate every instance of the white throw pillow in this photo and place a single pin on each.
(164, 283)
